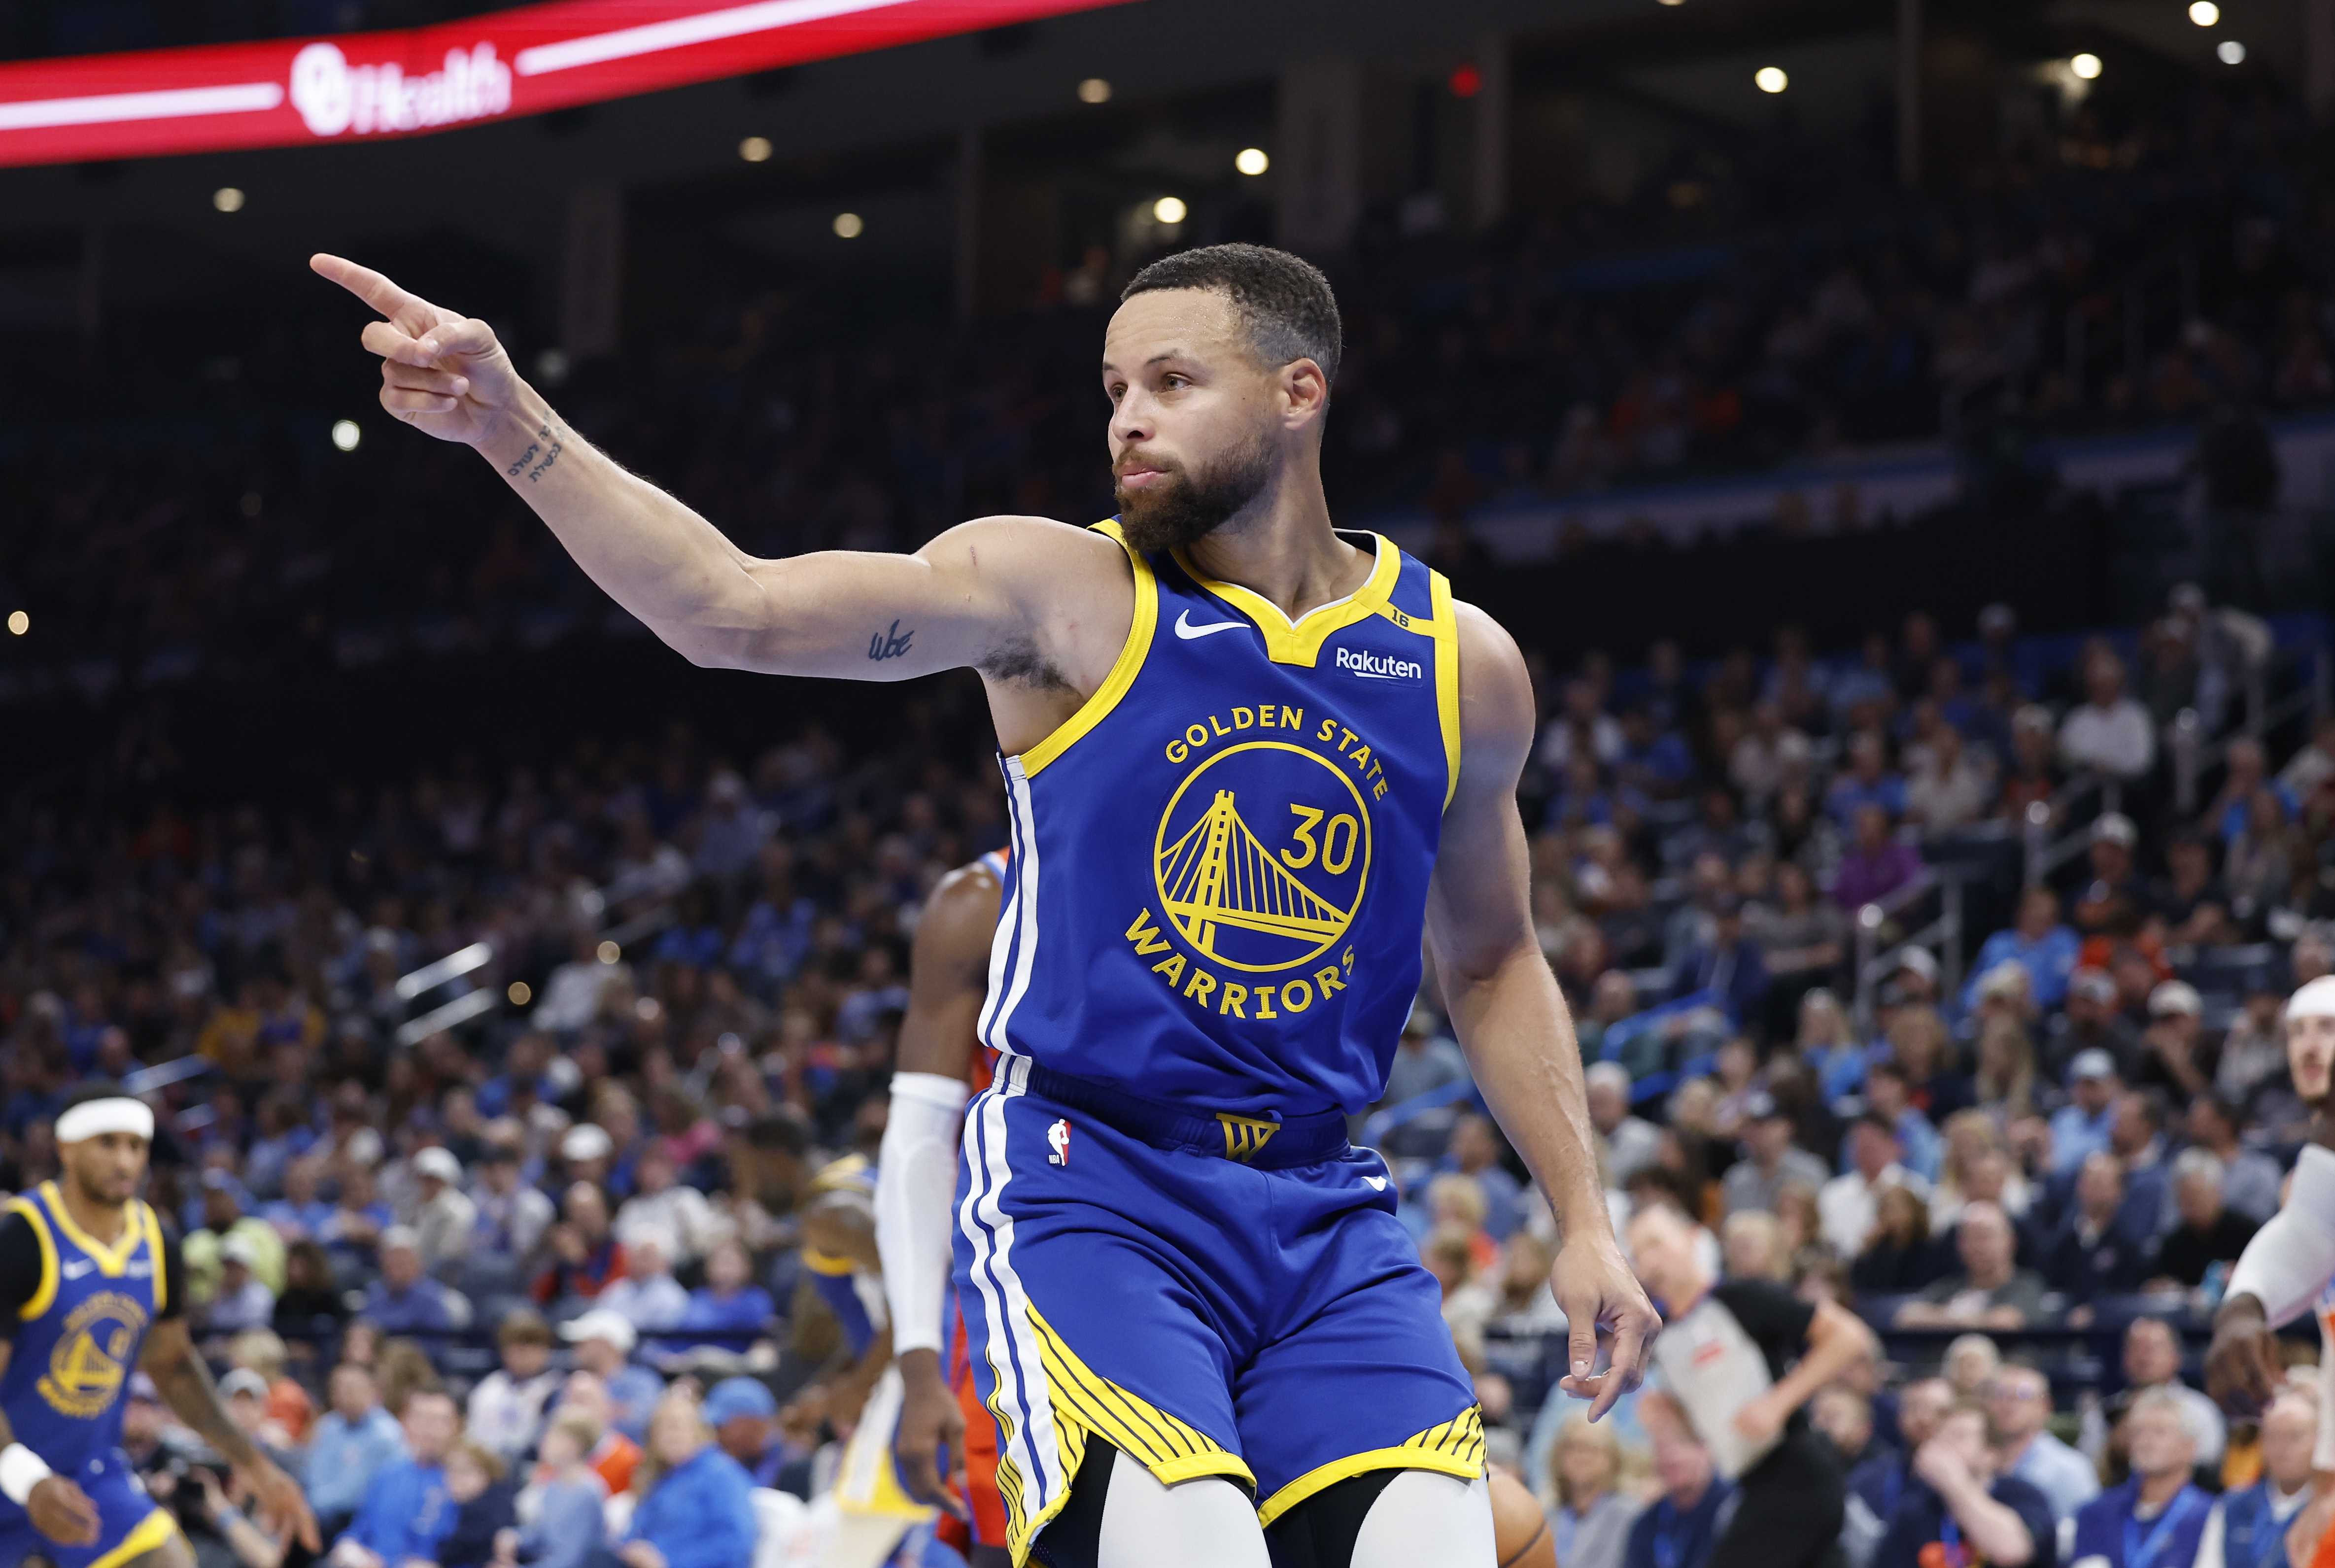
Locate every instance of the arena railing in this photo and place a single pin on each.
(2045, 854)
(2195, 754)
(1944, 932)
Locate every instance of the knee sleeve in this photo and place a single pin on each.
(1120, 1516)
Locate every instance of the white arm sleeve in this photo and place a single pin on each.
(2292, 1258)
(915, 1184)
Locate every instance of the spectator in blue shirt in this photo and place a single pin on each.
(729, 1309)
(1654, 760)
(1887, 1091)
(404, 1300)
(2157, 1518)
(352, 1441)
(2248, 771)
(1474, 1153)
(2039, 944)
(695, 1510)
(743, 1414)
(1682, 1525)
(2081, 1126)
(569, 1520)
(1866, 781)
(407, 1510)
(299, 1212)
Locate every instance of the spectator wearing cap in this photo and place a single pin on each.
(2209, 1232)
(745, 1415)
(2108, 732)
(1991, 1291)
(1632, 1143)
(2174, 1055)
(353, 1440)
(2038, 943)
(1874, 864)
(647, 1296)
(443, 1214)
(2097, 1252)
(512, 1214)
(2115, 898)
(588, 1151)
(404, 1300)
(1725, 964)
(1770, 1159)
(242, 1300)
(505, 1411)
(1847, 1204)
(585, 1254)
(2250, 1180)
(604, 1342)
(2082, 1127)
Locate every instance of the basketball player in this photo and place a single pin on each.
(1251, 762)
(940, 1061)
(91, 1289)
(1742, 1358)
(2288, 1266)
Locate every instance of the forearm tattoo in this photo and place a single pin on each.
(541, 454)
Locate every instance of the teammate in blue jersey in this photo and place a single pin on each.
(92, 1289)
(1252, 761)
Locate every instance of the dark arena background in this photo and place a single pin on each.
(1900, 434)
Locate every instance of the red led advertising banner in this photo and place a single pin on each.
(295, 93)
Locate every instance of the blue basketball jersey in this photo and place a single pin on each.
(1220, 864)
(81, 1331)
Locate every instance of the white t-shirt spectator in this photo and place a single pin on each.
(2118, 738)
(1848, 1205)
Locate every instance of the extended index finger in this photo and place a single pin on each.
(361, 281)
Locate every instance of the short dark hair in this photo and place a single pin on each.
(1285, 304)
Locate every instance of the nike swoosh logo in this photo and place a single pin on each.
(1186, 630)
(1378, 1184)
(74, 1270)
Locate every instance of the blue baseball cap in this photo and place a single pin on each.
(734, 1396)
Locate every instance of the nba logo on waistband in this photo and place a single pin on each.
(1058, 1137)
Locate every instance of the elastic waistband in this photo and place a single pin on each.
(1269, 1142)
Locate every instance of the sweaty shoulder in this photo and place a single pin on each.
(1495, 701)
(962, 911)
(1066, 596)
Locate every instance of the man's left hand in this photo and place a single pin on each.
(280, 1494)
(1599, 1295)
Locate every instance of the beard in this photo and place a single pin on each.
(1190, 504)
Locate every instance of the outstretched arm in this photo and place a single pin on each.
(1511, 1018)
(185, 1384)
(973, 597)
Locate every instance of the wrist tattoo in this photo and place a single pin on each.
(541, 454)
(891, 644)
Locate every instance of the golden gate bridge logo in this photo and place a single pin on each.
(1272, 899)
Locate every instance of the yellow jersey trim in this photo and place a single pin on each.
(152, 1532)
(1446, 632)
(1114, 685)
(153, 1228)
(1454, 1449)
(47, 1292)
(1084, 1406)
(1299, 642)
(112, 1261)
(826, 1263)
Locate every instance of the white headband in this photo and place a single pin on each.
(2315, 999)
(117, 1114)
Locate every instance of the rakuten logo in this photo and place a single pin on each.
(1372, 667)
(333, 96)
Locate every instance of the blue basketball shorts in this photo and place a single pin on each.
(129, 1525)
(1213, 1295)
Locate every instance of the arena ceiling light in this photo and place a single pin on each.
(408, 82)
(346, 435)
(1252, 161)
(1170, 209)
(1770, 79)
(2230, 52)
(19, 622)
(1094, 90)
(755, 149)
(227, 198)
(2085, 66)
(850, 226)
(2205, 13)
